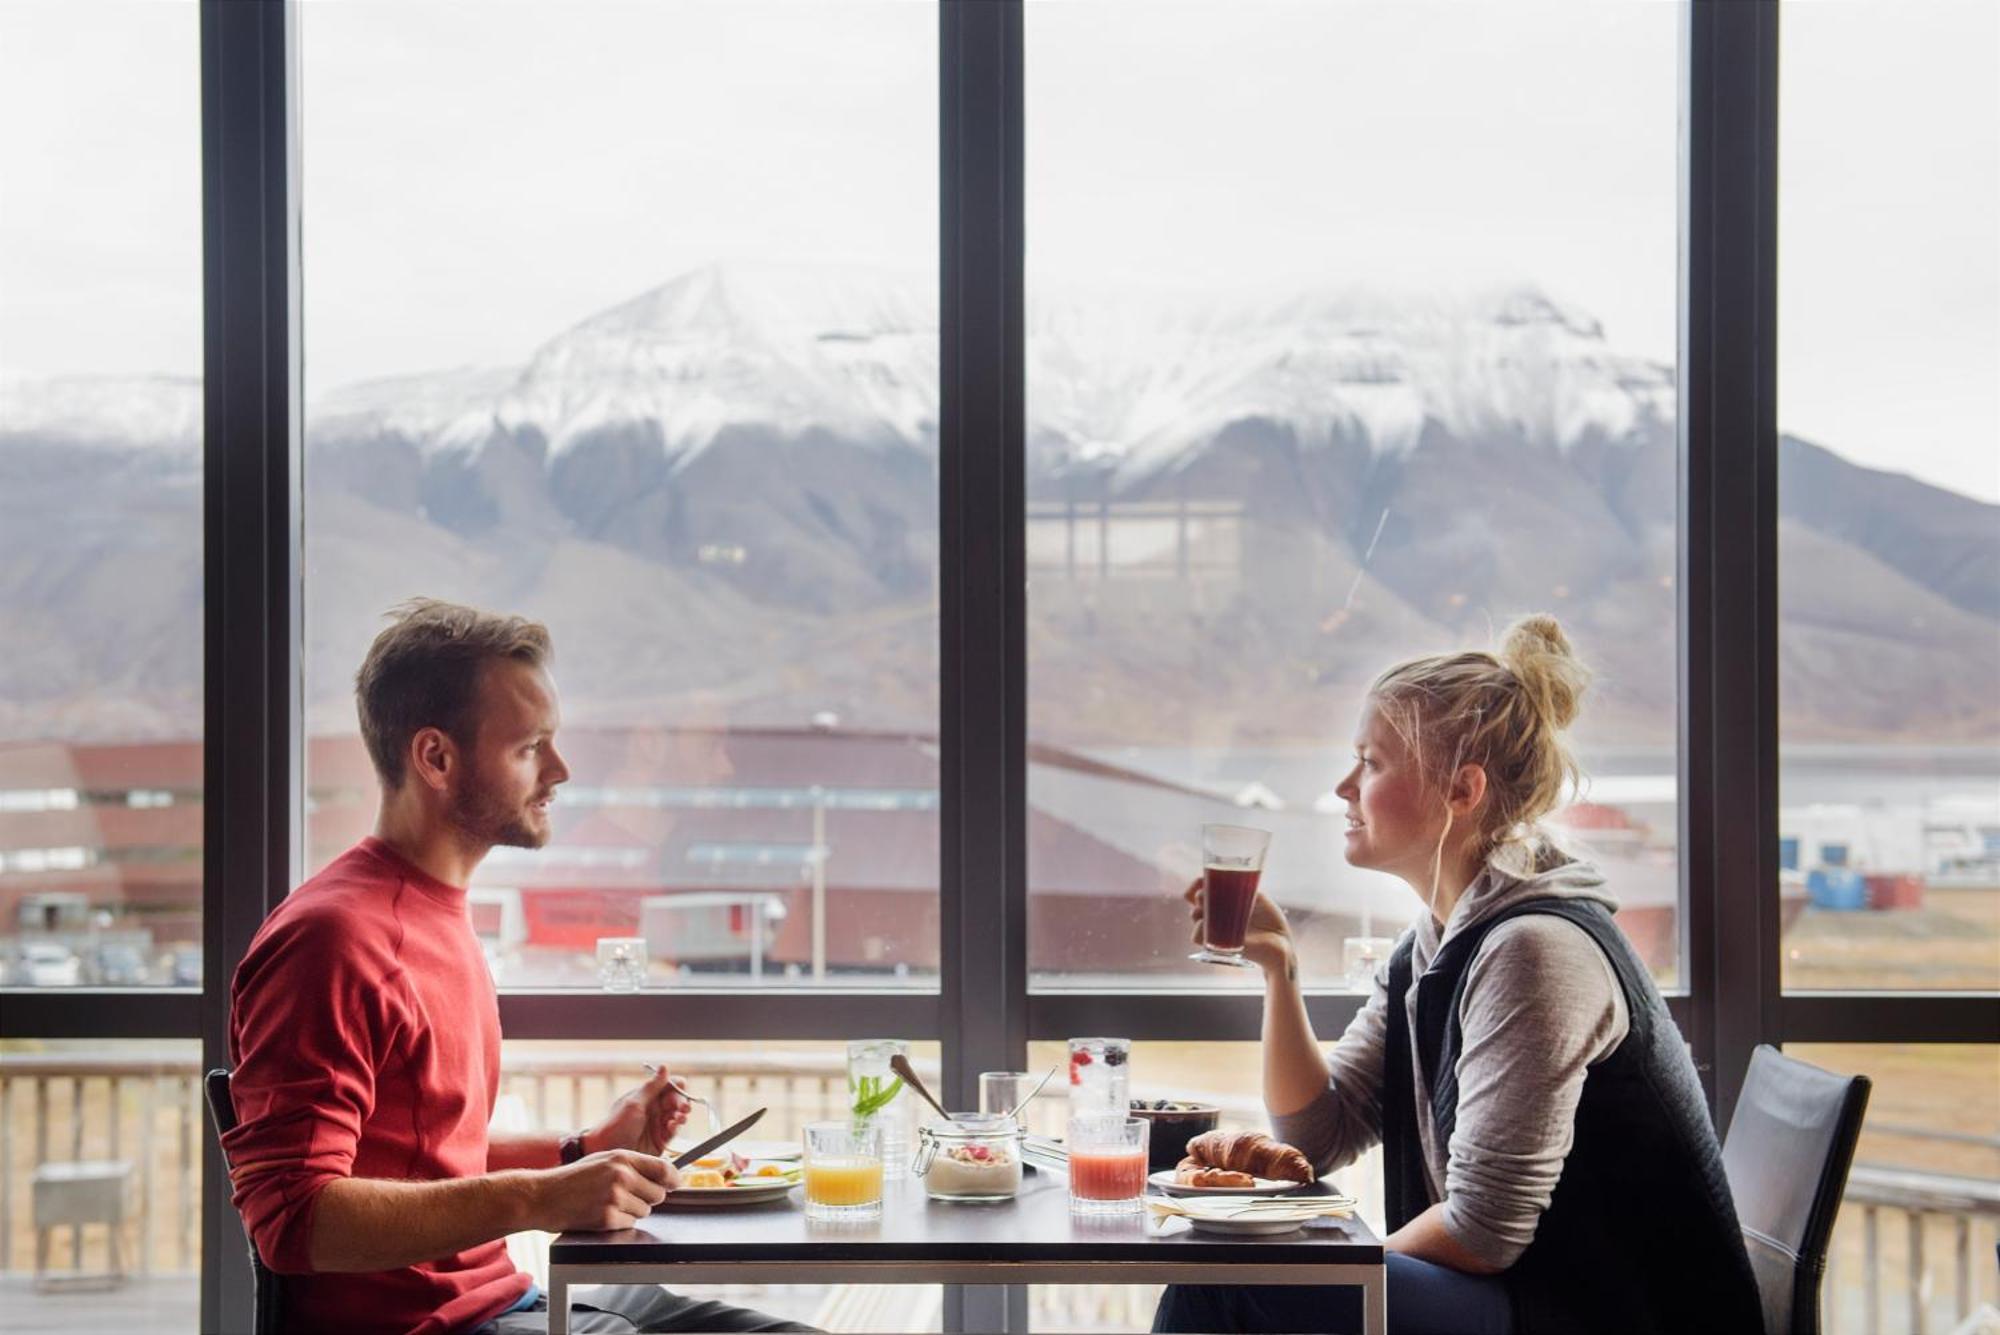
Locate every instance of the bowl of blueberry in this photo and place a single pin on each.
(1175, 1123)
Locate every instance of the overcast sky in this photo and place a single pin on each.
(481, 175)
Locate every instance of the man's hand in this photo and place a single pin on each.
(642, 1119)
(1268, 942)
(612, 1189)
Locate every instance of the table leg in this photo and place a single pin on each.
(558, 1301)
(1374, 1302)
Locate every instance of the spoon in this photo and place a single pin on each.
(901, 1066)
(1014, 1114)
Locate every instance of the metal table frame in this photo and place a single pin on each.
(1371, 1279)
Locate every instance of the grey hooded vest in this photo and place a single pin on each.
(1641, 1235)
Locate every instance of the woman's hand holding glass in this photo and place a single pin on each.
(1268, 942)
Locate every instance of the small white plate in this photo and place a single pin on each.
(1164, 1180)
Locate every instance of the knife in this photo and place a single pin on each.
(719, 1139)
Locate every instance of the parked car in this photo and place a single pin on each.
(121, 965)
(46, 964)
(185, 967)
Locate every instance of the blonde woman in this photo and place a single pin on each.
(1548, 1158)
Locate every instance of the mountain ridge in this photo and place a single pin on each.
(1394, 472)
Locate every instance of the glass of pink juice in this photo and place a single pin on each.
(1107, 1164)
(1232, 862)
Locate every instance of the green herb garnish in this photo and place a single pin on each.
(873, 1093)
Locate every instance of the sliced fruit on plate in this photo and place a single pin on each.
(730, 1165)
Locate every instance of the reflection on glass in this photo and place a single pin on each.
(675, 395)
(1909, 1237)
(1889, 497)
(100, 496)
(1361, 366)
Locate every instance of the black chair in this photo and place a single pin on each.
(266, 1296)
(1789, 1147)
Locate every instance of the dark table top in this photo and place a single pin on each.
(1036, 1226)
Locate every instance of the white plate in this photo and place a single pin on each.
(758, 1191)
(1259, 1225)
(1164, 1180)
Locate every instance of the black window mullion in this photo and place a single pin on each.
(982, 584)
(1889, 1017)
(719, 1013)
(251, 690)
(132, 1012)
(1728, 548)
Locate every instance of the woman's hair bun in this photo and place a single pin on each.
(1537, 652)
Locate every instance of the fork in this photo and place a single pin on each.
(714, 1118)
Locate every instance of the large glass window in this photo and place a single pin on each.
(1889, 495)
(628, 321)
(100, 495)
(1350, 337)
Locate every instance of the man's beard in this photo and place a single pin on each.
(491, 821)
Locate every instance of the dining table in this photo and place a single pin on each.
(1033, 1238)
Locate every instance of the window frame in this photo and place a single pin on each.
(984, 1011)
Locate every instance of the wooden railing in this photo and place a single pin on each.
(63, 1107)
(1908, 1211)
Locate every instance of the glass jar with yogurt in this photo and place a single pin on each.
(973, 1157)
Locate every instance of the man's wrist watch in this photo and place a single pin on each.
(571, 1148)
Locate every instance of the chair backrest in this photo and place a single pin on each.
(1790, 1144)
(266, 1294)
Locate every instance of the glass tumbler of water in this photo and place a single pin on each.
(1100, 1077)
(621, 963)
(876, 1095)
(1003, 1091)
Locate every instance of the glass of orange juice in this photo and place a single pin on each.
(843, 1170)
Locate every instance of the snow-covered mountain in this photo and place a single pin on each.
(729, 484)
(1132, 377)
(1129, 377)
(115, 411)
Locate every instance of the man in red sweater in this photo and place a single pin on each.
(365, 1031)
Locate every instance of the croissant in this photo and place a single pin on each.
(1250, 1152)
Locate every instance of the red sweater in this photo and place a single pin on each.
(364, 1033)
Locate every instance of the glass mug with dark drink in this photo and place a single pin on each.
(1232, 860)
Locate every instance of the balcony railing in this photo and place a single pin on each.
(1913, 1252)
(1905, 1218)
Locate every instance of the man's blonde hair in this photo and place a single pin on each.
(423, 670)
